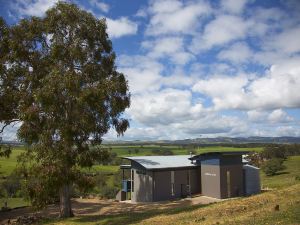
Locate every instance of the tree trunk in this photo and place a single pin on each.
(65, 202)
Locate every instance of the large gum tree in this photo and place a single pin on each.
(58, 78)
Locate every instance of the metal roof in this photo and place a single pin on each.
(125, 166)
(162, 162)
(220, 153)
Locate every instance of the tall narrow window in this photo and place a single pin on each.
(132, 180)
(172, 183)
(188, 183)
(228, 184)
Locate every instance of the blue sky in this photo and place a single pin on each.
(199, 68)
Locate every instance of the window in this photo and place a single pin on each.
(132, 180)
(188, 183)
(228, 184)
(172, 183)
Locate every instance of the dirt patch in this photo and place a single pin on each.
(102, 207)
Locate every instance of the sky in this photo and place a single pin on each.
(199, 68)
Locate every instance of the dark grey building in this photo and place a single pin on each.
(216, 174)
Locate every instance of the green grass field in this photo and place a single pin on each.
(7, 165)
(284, 178)
(14, 202)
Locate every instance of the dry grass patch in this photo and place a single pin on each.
(259, 209)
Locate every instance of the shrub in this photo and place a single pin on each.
(272, 166)
(109, 192)
(270, 152)
(11, 185)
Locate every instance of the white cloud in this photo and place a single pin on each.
(171, 47)
(279, 116)
(288, 131)
(100, 5)
(222, 30)
(32, 8)
(121, 27)
(173, 16)
(233, 6)
(164, 107)
(10, 132)
(287, 41)
(257, 116)
(142, 72)
(226, 91)
(278, 88)
(274, 117)
(236, 53)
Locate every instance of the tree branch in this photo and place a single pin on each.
(8, 123)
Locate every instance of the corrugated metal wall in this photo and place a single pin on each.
(252, 179)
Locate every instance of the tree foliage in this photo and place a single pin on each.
(58, 77)
(272, 166)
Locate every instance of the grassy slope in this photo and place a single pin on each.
(286, 177)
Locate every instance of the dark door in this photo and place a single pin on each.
(183, 191)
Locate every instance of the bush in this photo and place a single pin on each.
(272, 166)
(274, 152)
(109, 192)
(11, 186)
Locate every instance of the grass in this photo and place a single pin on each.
(7, 165)
(123, 151)
(13, 202)
(284, 178)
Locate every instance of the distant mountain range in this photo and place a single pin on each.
(200, 141)
(217, 140)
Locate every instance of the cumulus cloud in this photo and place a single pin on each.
(222, 30)
(237, 53)
(287, 41)
(274, 117)
(233, 6)
(121, 27)
(32, 8)
(173, 16)
(279, 116)
(171, 47)
(225, 91)
(100, 5)
(278, 88)
(164, 107)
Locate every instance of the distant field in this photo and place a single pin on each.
(177, 150)
(8, 165)
(14, 202)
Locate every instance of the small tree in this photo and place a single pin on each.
(274, 151)
(272, 166)
(58, 77)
